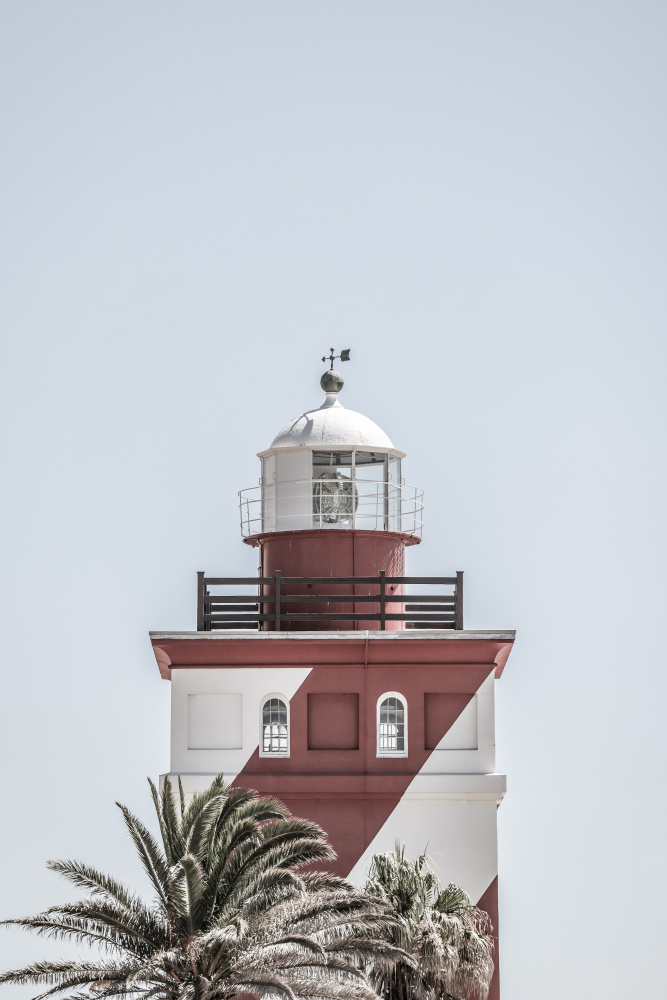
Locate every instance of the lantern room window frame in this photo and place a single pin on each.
(359, 493)
(357, 488)
(391, 463)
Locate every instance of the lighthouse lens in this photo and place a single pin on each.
(334, 499)
(334, 495)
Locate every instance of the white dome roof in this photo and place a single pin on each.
(332, 426)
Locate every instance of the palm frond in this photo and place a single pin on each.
(181, 796)
(188, 885)
(447, 937)
(86, 877)
(164, 832)
(174, 844)
(262, 982)
(151, 857)
(60, 976)
(87, 929)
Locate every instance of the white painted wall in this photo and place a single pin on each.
(453, 818)
(268, 485)
(294, 502)
(215, 721)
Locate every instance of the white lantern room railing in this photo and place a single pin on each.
(331, 501)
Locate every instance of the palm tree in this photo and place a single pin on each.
(447, 937)
(233, 912)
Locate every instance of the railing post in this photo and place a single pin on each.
(200, 602)
(277, 604)
(458, 606)
(383, 599)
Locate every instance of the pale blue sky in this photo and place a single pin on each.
(198, 199)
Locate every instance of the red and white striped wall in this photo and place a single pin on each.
(440, 793)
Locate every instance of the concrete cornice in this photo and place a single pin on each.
(508, 635)
(342, 648)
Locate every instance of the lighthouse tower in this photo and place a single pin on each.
(332, 680)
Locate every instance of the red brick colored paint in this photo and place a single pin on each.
(340, 552)
(352, 793)
(333, 721)
(212, 649)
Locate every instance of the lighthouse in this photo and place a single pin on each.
(332, 679)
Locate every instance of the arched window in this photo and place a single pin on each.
(274, 741)
(392, 725)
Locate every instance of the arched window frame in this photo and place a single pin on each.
(263, 701)
(381, 752)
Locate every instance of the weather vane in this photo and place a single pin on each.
(343, 356)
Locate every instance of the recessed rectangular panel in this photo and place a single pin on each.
(333, 721)
(215, 722)
(463, 733)
(450, 721)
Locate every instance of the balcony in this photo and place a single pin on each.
(331, 501)
(280, 603)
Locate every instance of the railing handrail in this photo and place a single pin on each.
(387, 502)
(219, 610)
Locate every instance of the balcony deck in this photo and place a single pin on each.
(278, 602)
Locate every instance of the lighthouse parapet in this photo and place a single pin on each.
(332, 501)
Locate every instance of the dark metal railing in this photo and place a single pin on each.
(271, 611)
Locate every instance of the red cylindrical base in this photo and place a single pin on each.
(330, 553)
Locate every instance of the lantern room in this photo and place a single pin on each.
(331, 468)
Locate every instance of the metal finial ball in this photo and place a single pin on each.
(332, 381)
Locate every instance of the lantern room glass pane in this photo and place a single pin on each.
(370, 477)
(332, 459)
(370, 465)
